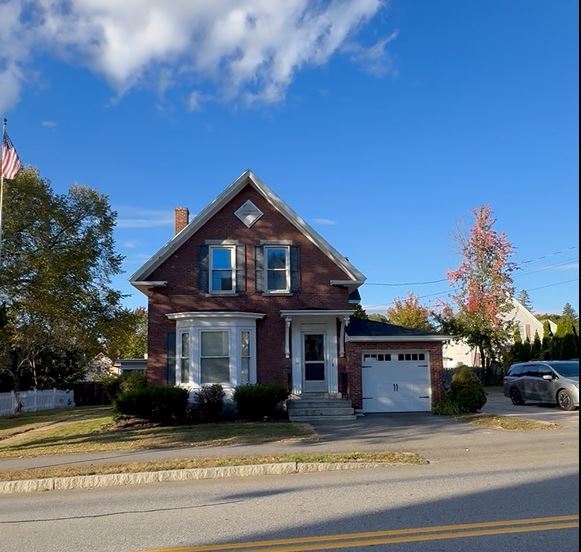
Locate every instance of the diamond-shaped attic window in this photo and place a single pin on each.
(248, 213)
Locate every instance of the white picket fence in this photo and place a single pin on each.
(32, 401)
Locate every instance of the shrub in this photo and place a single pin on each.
(160, 404)
(260, 400)
(467, 391)
(466, 394)
(446, 407)
(210, 402)
(115, 385)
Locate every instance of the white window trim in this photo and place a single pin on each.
(234, 324)
(230, 347)
(232, 249)
(288, 270)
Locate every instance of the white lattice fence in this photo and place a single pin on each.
(32, 401)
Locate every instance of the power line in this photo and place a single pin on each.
(428, 282)
(555, 284)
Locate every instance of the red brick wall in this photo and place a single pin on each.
(354, 351)
(182, 293)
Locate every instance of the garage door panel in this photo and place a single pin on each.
(396, 386)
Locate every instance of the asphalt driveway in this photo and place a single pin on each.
(497, 403)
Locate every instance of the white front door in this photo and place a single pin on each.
(314, 362)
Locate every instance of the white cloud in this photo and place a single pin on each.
(131, 244)
(130, 217)
(195, 100)
(324, 221)
(248, 49)
(48, 124)
(376, 59)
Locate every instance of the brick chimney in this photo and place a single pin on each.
(181, 219)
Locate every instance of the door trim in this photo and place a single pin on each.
(315, 386)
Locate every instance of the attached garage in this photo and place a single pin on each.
(396, 381)
(391, 368)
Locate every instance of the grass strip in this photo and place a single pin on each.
(508, 423)
(135, 467)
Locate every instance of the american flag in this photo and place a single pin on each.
(10, 159)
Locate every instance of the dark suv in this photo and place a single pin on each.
(552, 381)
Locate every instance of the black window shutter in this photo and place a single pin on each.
(240, 268)
(259, 268)
(295, 261)
(204, 269)
(170, 352)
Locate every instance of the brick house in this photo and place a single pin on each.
(248, 292)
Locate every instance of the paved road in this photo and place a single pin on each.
(283, 507)
(502, 482)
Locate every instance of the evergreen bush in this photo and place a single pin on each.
(156, 403)
(255, 402)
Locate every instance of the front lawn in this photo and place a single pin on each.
(509, 423)
(94, 429)
(382, 458)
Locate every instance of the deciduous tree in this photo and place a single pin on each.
(484, 289)
(410, 313)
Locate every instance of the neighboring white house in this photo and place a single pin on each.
(458, 352)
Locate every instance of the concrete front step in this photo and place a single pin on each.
(328, 403)
(321, 418)
(321, 412)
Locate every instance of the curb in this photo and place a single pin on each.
(141, 478)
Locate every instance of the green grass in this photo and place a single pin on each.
(509, 423)
(387, 458)
(94, 429)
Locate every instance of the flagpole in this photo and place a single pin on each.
(2, 186)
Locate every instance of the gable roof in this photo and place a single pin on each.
(360, 329)
(139, 278)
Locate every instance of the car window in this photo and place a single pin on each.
(531, 371)
(545, 371)
(567, 369)
(516, 371)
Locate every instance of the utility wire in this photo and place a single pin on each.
(427, 282)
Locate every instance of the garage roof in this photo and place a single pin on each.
(370, 330)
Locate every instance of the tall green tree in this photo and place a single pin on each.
(410, 313)
(58, 258)
(525, 299)
(484, 289)
(126, 334)
(359, 312)
(547, 345)
(536, 347)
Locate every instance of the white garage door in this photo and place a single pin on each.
(396, 381)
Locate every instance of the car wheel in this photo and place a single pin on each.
(565, 400)
(516, 397)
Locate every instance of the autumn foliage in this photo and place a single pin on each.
(484, 288)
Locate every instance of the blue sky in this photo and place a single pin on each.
(382, 124)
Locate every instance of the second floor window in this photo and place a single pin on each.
(277, 268)
(222, 269)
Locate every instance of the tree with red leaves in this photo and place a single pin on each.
(484, 289)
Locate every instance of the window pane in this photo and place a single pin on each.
(215, 370)
(222, 258)
(215, 344)
(185, 358)
(276, 280)
(314, 345)
(276, 258)
(315, 371)
(221, 280)
(245, 338)
(185, 344)
(245, 371)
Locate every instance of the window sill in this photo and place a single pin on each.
(277, 294)
(222, 294)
